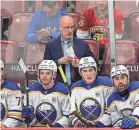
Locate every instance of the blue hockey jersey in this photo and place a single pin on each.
(11, 104)
(89, 100)
(50, 105)
(120, 106)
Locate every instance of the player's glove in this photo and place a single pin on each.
(128, 123)
(28, 113)
(79, 124)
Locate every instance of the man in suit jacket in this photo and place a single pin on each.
(55, 49)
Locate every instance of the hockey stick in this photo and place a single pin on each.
(64, 77)
(66, 83)
(23, 67)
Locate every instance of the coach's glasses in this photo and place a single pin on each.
(68, 27)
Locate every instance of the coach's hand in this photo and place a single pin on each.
(65, 60)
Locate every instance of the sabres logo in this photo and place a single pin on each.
(90, 109)
(46, 113)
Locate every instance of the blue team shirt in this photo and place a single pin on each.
(40, 20)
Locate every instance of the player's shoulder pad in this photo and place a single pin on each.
(104, 80)
(134, 85)
(61, 88)
(114, 96)
(10, 85)
(76, 84)
(62, 11)
(35, 87)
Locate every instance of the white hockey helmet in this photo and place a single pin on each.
(1, 64)
(87, 62)
(119, 69)
(48, 65)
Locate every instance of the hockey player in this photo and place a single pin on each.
(123, 103)
(10, 104)
(95, 24)
(88, 95)
(48, 101)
